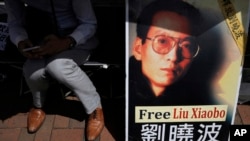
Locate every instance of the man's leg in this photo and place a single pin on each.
(64, 67)
(36, 79)
(68, 73)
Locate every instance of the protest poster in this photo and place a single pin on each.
(184, 61)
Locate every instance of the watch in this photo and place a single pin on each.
(72, 42)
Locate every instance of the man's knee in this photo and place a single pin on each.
(32, 72)
(61, 67)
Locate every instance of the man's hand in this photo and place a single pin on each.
(28, 54)
(52, 45)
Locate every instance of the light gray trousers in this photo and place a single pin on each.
(64, 68)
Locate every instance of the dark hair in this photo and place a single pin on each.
(144, 20)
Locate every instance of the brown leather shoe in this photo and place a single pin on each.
(35, 119)
(95, 124)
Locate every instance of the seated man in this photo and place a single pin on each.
(63, 31)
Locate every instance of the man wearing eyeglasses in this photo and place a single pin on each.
(162, 53)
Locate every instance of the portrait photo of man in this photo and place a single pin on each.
(176, 58)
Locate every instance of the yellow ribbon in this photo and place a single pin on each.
(233, 23)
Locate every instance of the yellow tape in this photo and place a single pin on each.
(233, 23)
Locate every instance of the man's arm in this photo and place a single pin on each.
(16, 20)
(87, 21)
